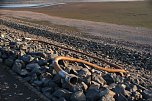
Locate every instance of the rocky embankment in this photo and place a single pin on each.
(33, 62)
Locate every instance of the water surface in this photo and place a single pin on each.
(43, 3)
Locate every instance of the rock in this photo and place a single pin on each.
(33, 66)
(147, 94)
(26, 58)
(137, 95)
(150, 99)
(111, 86)
(84, 86)
(0, 53)
(9, 62)
(94, 85)
(40, 54)
(21, 53)
(24, 72)
(120, 97)
(107, 98)
(47, 90)
(71, 87)
(98, 78)
(23, 46)
(4, 56)
(38, 83)
(52, 84)
(57, 79)
(62, 99)
(86, 80)
(53, 56)
(62, 93)
(17, 66)
(119, 89)
(104, 91)
(12, 44)
(1, 60)
(92, 95)
(78, 96)
(28, 78)
(108, 78)
(42, 62)
(84, 72)
(134, 88)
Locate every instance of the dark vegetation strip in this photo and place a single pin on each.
(127, 56)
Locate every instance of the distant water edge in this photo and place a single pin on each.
(28, 5)
(44, 3)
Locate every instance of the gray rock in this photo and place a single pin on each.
(147, 94)
(40, 54)
(134, 88)
(84, 86)
(108, 78)
(150, 99)
(9, 62)
(71, 87)
(111, 86)
(57, 79)
(107, 98)
(53, 56)
(86, 80)
(28, 78)
(62, 93)
(24, 72)
(137, 95)
(62, 99)
(38, 83)
(23, 46)
(120, 97)
(47, 90)
(104, 91)
(12, 44)
(84, 72)
(119, 89)
(1, 60)
(4, 56)
(33, 67)
(94, 85)
(92, 95)
(78, 96)
(52, 84)
(98, 78)
(0, 53)
(21, 53)
(26, 58)
(42, 62)
(17, 66)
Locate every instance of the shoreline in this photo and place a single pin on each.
(45, 4)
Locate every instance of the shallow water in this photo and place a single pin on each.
(28, 5)
(43, 3)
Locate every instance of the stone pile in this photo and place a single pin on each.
(33, 62)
